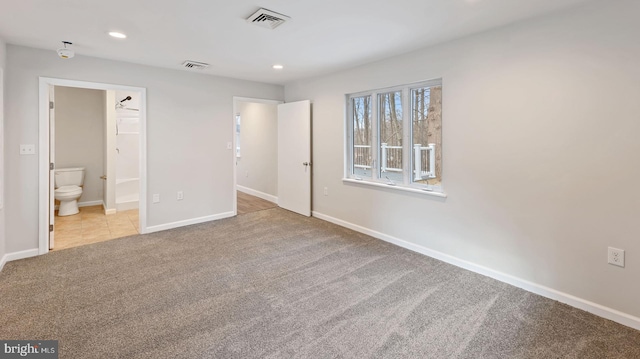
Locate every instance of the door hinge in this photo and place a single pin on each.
(50, 105)
(51, 166)
(51, 228)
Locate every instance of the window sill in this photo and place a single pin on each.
(395, 187)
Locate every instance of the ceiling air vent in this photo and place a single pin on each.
(267, 18)
(195, 65)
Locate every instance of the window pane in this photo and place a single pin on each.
(362, 158)
(390, 105)
(426, 128)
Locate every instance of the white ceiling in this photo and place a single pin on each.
(322, 36)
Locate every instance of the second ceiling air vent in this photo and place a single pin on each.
(195, 65)
(267, 18)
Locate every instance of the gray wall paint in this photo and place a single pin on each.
(540, 124)
(189, 122)
(3, 52)
(258, 164)
(80, 121)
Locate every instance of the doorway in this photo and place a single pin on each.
(256, 154)
(272, 142)
(96, 140)
(86, 110)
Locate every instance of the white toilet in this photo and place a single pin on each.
(68, 183)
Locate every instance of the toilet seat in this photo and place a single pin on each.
(68, 190)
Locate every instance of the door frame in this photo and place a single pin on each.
(44, 195)
(237, 99)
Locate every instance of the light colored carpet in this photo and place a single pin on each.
(272, 284)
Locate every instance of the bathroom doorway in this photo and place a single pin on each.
(96, 142)
(93, 132)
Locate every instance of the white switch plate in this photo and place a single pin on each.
(180, 195)
(156, 198)
(229, 145)
(616, 256)
(27, 149)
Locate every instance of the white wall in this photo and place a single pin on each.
(189, 122)
(540, 156)
(79, 121)
(258, 164)
(3, 52)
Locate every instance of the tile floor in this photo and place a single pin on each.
(91, 225)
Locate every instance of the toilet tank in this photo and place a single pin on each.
(69, 177)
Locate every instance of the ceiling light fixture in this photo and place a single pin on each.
(117, 35)
(278, 67)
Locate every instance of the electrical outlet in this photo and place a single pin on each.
(156, 198)
(180, 195)
(616, 256)
(326, 191)
(27, 149)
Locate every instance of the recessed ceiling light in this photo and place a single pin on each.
(278, 67)
(117, 35)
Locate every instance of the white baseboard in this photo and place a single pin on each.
(85, 204)
(89, 203)
(591, 307)
(108, 211)
(164, 227)
(8, 257)
(258, 194)
(125, 206)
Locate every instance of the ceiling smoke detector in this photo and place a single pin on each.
(195, 65)
(267, 18)
(65, 53)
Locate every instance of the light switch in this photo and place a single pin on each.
(27, 149)
(229, 145)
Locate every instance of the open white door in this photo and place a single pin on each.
(294, 157)
(52, 157)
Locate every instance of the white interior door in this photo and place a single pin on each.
(52, 157)
(294, 157)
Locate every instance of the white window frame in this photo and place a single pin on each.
(407, 184)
